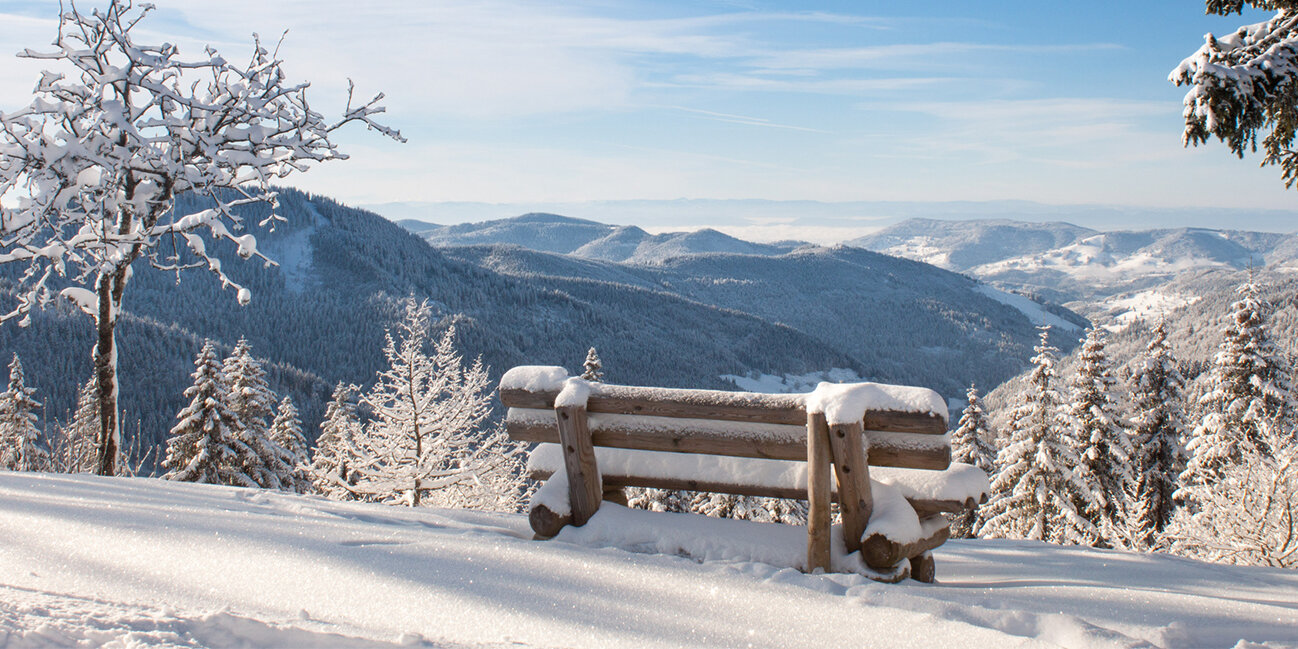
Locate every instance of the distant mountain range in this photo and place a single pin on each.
(590, 240)
(1067, 263)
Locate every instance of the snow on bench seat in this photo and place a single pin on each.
(958, 484)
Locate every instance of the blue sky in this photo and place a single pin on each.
(532, 103)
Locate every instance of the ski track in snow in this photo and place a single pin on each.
(119, 562)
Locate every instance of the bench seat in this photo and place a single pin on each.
(957, 488)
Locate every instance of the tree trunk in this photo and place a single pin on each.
(105, 359)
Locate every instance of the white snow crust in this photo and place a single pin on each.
(575, 392)
(534, 378)
(121, 562)
(846, 403)
(1035, 313)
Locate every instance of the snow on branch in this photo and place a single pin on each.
(90, 168)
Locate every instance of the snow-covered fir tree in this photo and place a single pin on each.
(253, 403)
(1249, 398)
(1240, 487)
(75, 451)
(427, 437)
(205, 445)
(21, 445)
(1104, 449)
(333, 464)
(969, 445)
(1156, 427)
(593, 368)
(1036, 492)
(286, 433)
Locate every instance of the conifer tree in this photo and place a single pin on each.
(286, 433)
(593, 368)
(1156, 389)
(749, 508)
(1101, 443)
(969, 445)
(21, 446)
(77, 452)
(1240, 486)
(1249, 394)
(252, 402)
(205, 445)
(333, 465)
(1035, 494)
(659, 500)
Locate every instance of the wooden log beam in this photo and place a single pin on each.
(855, 498)
(923, 568)
(719, 405)
(923, 508)
(545, 522)
(818, 492)
(882, 553)
(885, 449)
(584, 489)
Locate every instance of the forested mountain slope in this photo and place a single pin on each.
(322, 313)
(898, 320)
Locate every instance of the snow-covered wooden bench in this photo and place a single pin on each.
(598, 438)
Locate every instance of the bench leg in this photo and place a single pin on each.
(923, 568)
(584, 489)
(818, 492)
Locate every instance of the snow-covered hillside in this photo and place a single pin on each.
(87, 561)
(1067, 262)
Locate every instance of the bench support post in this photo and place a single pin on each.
(584, 489)
(855, 500)
(818, 492)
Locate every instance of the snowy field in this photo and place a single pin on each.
(119, 562)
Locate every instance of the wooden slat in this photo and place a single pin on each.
(584, 489)
(818, 492)
(855, 499)
(718, 405)
(882, 451)
(923, 568)
(923, 508)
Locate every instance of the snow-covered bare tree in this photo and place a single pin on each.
(333, 464)
(205, 445)
(749, 508)
(286, 433)
(1103, 447)
(1242, 86)
(1036, 492)
(970, 445)
(1240, 485)
(90, 169)
(1157, 424)
(253, 403)
(426, 436)
(593, 368)
(21, 446)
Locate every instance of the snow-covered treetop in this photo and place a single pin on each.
(1242, 84)
(118, 128)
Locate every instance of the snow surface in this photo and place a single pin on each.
(138, 562)
(534, 378)
(958, 482)
(575, 392)
(787, 383)
(847, 403)
(1035, 313)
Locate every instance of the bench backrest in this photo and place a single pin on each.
(740, 424)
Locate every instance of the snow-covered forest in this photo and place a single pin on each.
(241, 414)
